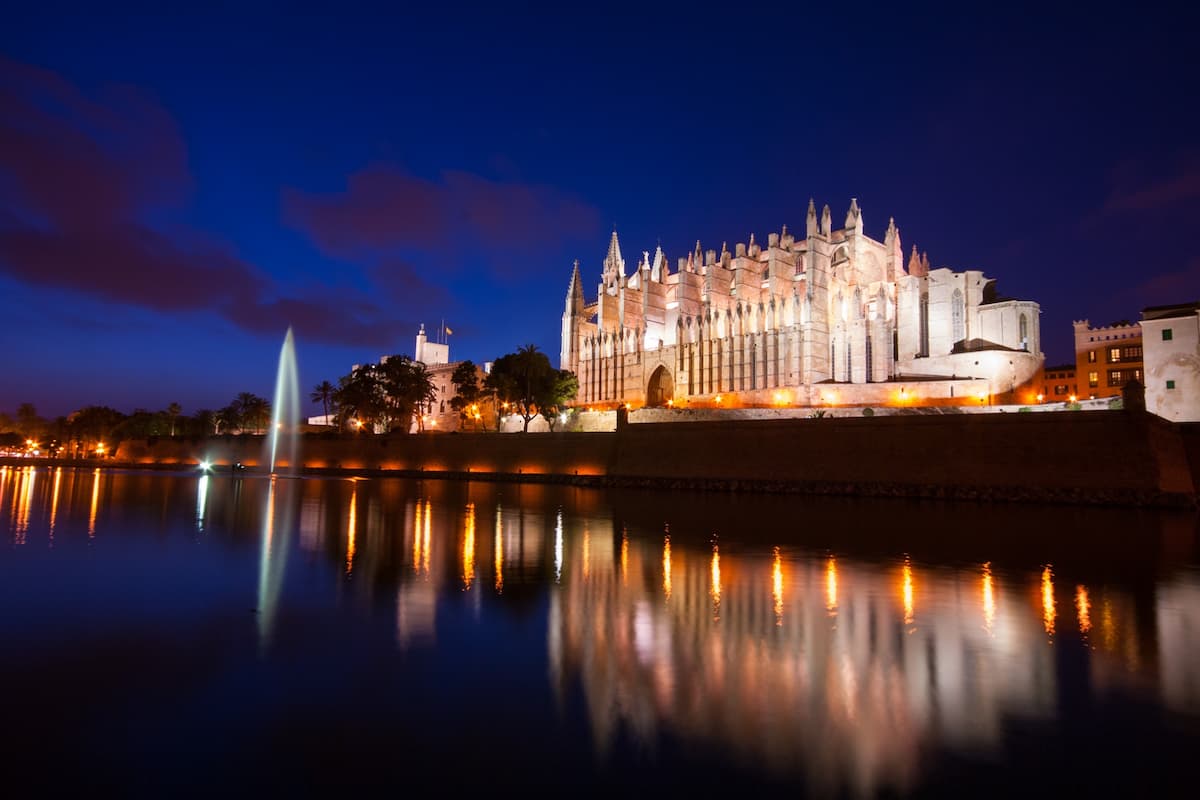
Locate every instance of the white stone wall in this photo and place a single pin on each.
(1177, 360)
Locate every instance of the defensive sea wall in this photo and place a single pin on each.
(1118, 458)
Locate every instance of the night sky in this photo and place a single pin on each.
(175, 189)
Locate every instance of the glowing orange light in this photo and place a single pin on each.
(666, 563)
(1084, 607)
(989, 598)
(907, 591)
(1041, 397)
(670, 404)
(624, 558)
(718, 399)
(351, 529)
(716, 582)
(498, 547)
(1048, 613)
(831, 586)
(1072, 398)
(468, 551)
(777, 586)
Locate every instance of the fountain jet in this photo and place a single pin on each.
(284, 439)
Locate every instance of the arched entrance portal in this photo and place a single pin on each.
(661, 388)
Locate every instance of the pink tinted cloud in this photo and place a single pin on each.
(1137, 190)
(385, 209)
(1180, 286)
(79, 174)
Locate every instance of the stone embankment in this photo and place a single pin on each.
(1115, 458)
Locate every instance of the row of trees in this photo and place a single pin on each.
(87, 428)
(385, 395)
(388, 396)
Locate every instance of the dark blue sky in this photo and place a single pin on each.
(175, 189)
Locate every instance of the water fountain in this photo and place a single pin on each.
(284, 440)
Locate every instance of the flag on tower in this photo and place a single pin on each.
(448, 331)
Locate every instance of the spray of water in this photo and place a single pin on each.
(284, 441)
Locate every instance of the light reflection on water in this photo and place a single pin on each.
(839, 661)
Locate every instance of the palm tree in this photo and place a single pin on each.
(323, 393)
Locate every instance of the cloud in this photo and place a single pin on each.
(1180, 286)
(1134, 191)
(80, 176)
(384, 209)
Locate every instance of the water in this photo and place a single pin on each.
(284, 439)
(169, 634)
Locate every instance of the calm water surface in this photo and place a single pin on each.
(176, 634)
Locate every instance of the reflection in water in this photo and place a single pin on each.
(587, 553)
(498, 547)
(666, 566)
(849, 693)
(989, 599)
(831, 587)
(352, 528)
(468, 549)
(906, 580)
(558, 547)
(201, 501)
(1083, 607)
(95, 502)
(777, 586)
(624, 556)
(272, 561)
(851, 705)
(54, 502)
(24, 493)
(1048, 612)
(716, 582)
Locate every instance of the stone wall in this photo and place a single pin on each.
(1071, 457)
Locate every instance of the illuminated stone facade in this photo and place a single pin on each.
(782, 323)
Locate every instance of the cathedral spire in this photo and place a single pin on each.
(811, 221)
(575, 291)
(659, 270)
(826, 221)
(614, 265)
(854, 215)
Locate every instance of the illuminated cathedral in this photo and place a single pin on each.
(833, 318)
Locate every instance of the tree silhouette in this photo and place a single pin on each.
(323, 393)
(173, 411)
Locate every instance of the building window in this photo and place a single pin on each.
(1024, 326)
(1093, 379)
(1137, 375)
(1114, 355)
(1060, 389)
(1170, 384)
(1114, 377)
(1091, 356)
(1133, 352)
(1166, 334)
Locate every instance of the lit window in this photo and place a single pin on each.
(1114, 354)
(1170, 384)
(1115, 377)
(1166, 334)
(1091, 356)
(1093, 379)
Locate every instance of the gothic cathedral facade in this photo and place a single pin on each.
(835, 317)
